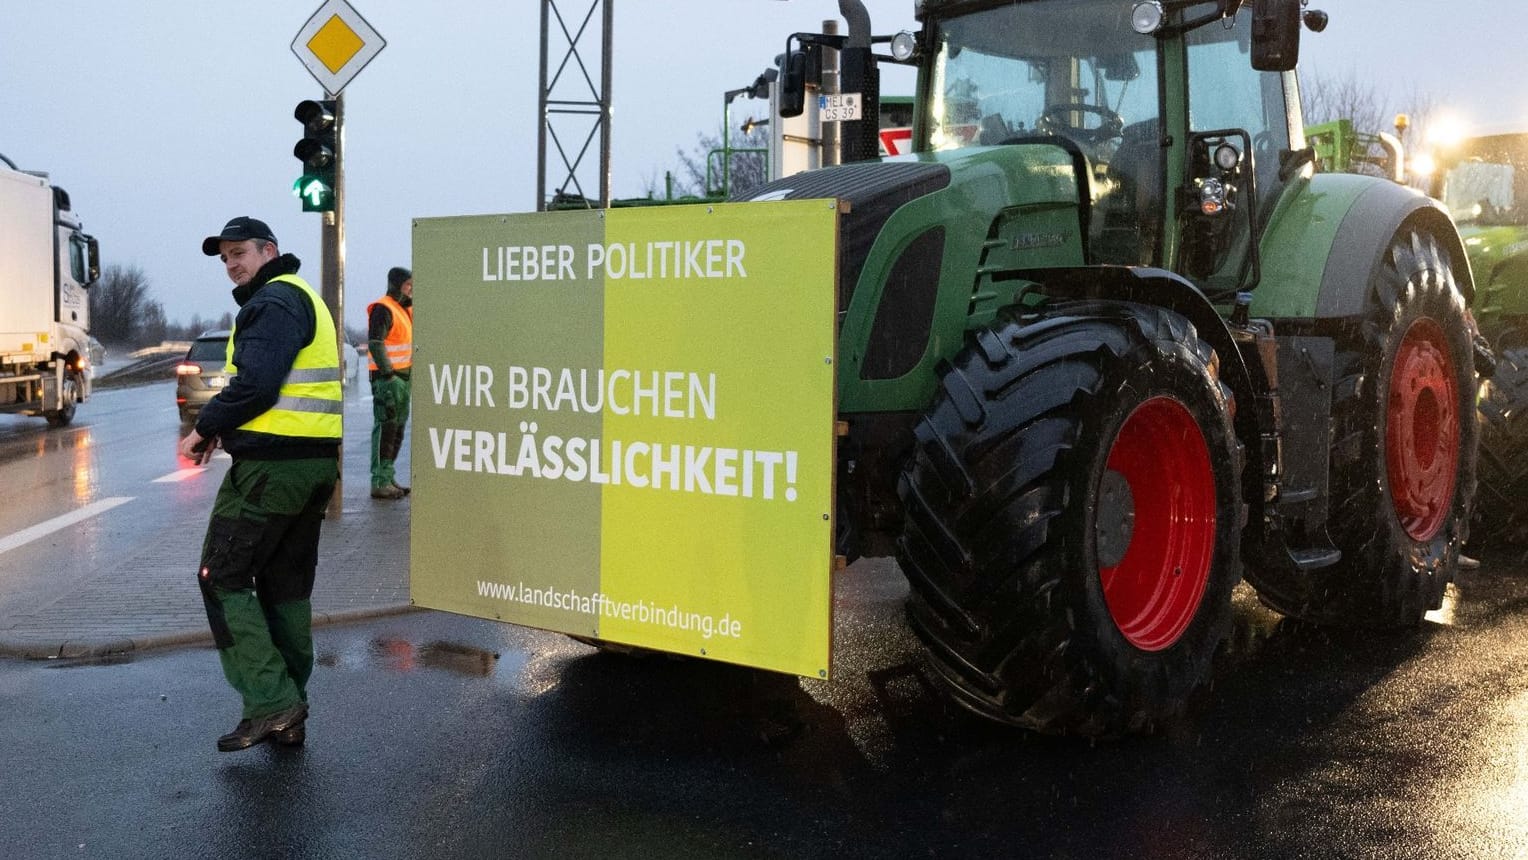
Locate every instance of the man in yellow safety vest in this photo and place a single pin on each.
(279, 420)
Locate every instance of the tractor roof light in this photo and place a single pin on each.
(1147, 17)
(903, 46)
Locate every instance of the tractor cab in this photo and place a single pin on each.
(1182, 136)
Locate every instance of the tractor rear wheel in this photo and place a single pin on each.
(1403, 460)
(1073, 520)
(1500, 519)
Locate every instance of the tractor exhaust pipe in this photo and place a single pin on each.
(859, 22)
(859, 140)
(1395, 160)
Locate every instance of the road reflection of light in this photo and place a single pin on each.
(1444, 614)
(1489, 810)
(539, 673)
(86, 480)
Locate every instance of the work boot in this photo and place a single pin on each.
(292, 736)
(391, 491)
(255, 730)
(405, 490)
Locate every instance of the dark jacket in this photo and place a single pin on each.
(275, 322)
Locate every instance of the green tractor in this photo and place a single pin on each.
(1108, 345)
(1342, 148)
(1483, 182)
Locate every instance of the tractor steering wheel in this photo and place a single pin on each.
(1053, 120)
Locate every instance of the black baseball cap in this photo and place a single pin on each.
(237, 230)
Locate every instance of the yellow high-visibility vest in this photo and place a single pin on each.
(311, 402)
(400, 338)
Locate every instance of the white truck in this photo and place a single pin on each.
(46, 264)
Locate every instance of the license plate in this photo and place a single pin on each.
(840, 107)
(217, 382)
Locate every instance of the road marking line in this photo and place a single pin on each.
(43, 529)
(179, 475)
(183, 474)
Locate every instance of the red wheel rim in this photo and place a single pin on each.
(1153, 591)
(1422, 431)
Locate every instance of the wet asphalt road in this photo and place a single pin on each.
(434, 735)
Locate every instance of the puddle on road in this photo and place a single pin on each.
(403, 656)
(87, 662)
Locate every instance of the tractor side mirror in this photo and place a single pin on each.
(802, 68)
(1275, 35)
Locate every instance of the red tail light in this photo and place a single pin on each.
(186, 369)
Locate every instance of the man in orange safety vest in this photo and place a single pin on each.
(390, 344)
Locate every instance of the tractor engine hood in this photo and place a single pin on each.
(969, 195)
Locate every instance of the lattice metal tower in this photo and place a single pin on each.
(571, 98)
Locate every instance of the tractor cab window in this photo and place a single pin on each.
(1239, 122)
(1480, 192)
(1059, 68)
(1488, 186)
(1048, 67)
(1225, 92)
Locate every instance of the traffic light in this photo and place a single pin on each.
(319, 151)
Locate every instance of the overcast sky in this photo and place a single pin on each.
(163, 118)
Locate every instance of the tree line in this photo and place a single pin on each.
(123, 312)
(1371, 108)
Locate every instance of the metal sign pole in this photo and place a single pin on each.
(334, 45)
(332, 242)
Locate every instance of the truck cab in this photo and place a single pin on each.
(47, 262)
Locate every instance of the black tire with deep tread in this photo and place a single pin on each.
(1501, 519)
(1385, 577)
(998, 544)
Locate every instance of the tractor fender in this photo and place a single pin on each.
(1151, 287)
(1328, 239)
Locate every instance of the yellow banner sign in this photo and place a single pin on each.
(623, 425)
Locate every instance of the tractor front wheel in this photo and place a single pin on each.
(1073, 520)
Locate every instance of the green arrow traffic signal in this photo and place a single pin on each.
(317, 195)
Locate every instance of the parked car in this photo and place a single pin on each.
(200, 374)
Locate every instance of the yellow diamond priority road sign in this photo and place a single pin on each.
(336, 44)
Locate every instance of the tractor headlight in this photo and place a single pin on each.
(1227, 157)
(903, 46)
(1146, 18)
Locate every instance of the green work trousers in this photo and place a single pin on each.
(390, 408)
(258, 564)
